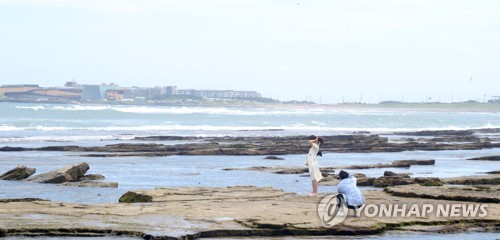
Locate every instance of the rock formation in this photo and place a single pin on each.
(89, 183)
(190, 213)
(490, 194)
(490, 179)
(18, 173)
(275, 146)
(273, 158)
(68, 174)
(487, 158)
(398, 180)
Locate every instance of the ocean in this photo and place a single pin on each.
(37, 125)
(23, 123)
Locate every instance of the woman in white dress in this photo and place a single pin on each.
(312, 163)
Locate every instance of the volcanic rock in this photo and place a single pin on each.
(92, 177)
(283, 145)
(468, 194)
(18, 173)
(487, 158)
(238, 212)
(273, 158)
(393, 174)
(491, 179)
(68, 174)
(397, 180)
(88, 183)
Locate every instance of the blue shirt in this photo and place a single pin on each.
(353, 195)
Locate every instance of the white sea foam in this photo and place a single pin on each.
(214, 110)
(5, 128)
(176, 127)
(174, 110)
(247, 111)
(81, 108)
(36, 108)
(64, 138)
(186, 110)
(239, 111)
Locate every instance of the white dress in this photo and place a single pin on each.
(312, 162)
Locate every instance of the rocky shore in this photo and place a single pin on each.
(237, 146)
(73, 175)
(190, 213)
(240, 211)
(388, 179)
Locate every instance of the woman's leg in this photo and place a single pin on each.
(315, 186)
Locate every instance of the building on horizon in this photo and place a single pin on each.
(97, 92)
(157, 91)
(115, 94)
(171, 91)
(186, 92)
(111, 92)
(219, 93)
(134, 93)
(16, 90)
(72, 84)
(20, 86)
(36, 93)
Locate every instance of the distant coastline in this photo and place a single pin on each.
(397, 106)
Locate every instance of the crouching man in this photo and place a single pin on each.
(347, 187)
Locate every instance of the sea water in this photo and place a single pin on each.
(133, 173)
(37, 125)
(24, 122)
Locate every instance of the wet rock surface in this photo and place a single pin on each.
(394, 164)
(18, 173)
(391, 181)
(203, 194)
(440, 133)
(67, 174)
(485, 194)
(393, 174)
(486, 158)
(74, 175)
(491, 179)
(302, 170)
(385, 181)
(21, 200)
(273, 158)
(275, 146)
(188, 213)
(89, 177)
(90, 183)
(334, 180)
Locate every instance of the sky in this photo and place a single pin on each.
(320, 50)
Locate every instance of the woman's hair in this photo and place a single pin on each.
(343, 174)
(320, 139)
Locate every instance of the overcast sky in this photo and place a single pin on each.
(321, 50)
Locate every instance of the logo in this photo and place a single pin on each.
(332, 210)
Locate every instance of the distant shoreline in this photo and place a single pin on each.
(441, 107)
